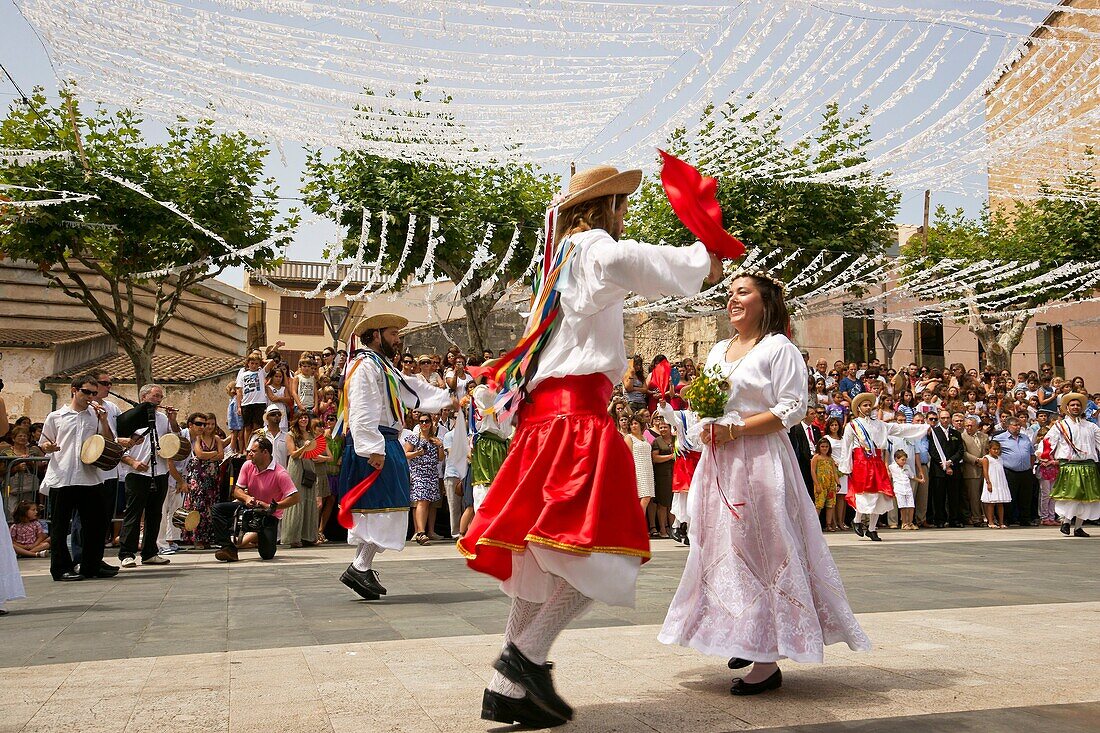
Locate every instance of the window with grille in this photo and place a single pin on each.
(301, 316)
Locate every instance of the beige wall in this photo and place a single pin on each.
(206, 395)
(21, 369)
(1046, 78)
(213, 319)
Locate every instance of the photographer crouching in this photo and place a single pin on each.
(263, 490)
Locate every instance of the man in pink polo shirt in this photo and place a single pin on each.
(264, 487)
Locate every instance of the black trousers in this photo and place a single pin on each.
(222, 517)
(106, 491)
(144, 498)
(947, 499)
(87, 502)
(1021, 484)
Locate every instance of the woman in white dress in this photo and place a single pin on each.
(11, 583)
(760, 584)
(643, 460)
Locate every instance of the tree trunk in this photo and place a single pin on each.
(999, 343)
(478, 311)
(143, 364)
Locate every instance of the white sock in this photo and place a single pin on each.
(858, 519)
(519, 618)
(566, 604)
(365, 556)
(1078, 522)
(873, 522)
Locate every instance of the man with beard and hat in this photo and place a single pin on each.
(1075, 443)
(376, 397)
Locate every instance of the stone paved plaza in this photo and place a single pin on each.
(974, 630)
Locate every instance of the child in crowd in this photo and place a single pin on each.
(27, 536)
(233, 418)
(826, 481)
(903, 489)
(996, 493)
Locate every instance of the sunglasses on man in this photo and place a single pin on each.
(89, 392)
(200, 424)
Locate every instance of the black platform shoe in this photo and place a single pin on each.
(503, 709)
(353, 579)
(738, 663)
(535, 679)
(1064, 529)
(859, 530)
(874, 536)
(740, 687)
(1080, 533)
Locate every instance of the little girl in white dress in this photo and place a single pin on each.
(996, 493)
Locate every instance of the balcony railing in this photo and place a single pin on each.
(314, 272)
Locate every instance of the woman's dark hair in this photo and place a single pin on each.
(657, 360)
(839, 427)
(637, 367)
(825, 442)
(636, 419)
(776, 318)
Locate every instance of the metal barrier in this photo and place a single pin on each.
(12, 462)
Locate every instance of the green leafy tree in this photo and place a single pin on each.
(771, 212)
(1053, 230)
(464, 196)
(119, 234)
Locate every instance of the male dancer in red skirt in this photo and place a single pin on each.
(561, 525)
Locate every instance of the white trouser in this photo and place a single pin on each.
(168, 531)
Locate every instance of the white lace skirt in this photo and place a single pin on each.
(385, 529)
(11, 583)
(763, 586)
(601, 576)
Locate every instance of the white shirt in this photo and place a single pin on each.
(278, 446)
(368, 406)
(183, 466)
(899, 477)
(589, 339)
(142, 451)
(284, 425)
(484, 397)
(1084, 435)
(113, 411)
(307, 390)
(68, 429)
(682, 422)
(252, 386)
(458, 450)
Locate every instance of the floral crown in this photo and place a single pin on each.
(763, 275)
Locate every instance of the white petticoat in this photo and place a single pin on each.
(762, 587)
(680, 507)
(385, 529)
(11, 583)
(1083, 510)
(600, 576)
(872, 502)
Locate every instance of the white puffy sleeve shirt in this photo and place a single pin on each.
(1085, 436)
(589, 339)
(770, 378)
(368, 406)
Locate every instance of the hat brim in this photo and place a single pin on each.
(1073, 396)
(620, 184)
(859, 399)
(380, 321)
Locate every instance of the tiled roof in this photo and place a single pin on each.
(167, 369)
(36, 338)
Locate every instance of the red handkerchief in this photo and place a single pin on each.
(693, 198)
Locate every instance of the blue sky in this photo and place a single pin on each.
(24, 57)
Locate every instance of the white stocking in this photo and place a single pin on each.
(365, 556)
(1078, 523)
(566, 603)
(873, 523)
(519, 618)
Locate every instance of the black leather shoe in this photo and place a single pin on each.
(504, 709)
(69, 576)
(874, 536)
(535, 679)
(357, 585)
(858, 527)
(368, 579)
(738, 663)
(104, 571)
(1064, 529)
(740, 687)
(373, 584)
(1080, 533)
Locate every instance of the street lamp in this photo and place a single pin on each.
(889, 338)
(335, 315)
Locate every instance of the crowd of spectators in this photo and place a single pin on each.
(296, 411)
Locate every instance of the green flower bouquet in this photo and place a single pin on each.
(708, 393)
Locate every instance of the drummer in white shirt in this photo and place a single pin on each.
(146, 484)
(73, 485)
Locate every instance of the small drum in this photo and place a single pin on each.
(174, 447)
(185, 519)
(103, 453)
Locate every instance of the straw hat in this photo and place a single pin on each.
(859, 399)
(603, 180)
(380, 321)
(1067, 398)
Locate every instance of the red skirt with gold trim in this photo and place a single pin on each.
(869, 474)
(683, 470)
(568, 483)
